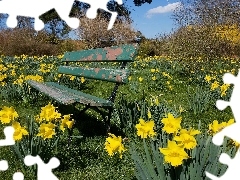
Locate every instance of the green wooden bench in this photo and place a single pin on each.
(67, 96)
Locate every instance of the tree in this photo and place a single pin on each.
(95, 34)
(207, 12)
(141, 2)
(207, 27)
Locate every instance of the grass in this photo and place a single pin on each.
(86, 157)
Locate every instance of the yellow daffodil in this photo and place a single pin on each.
(66, 122)
(216, 127)
(191, 132)
(188, 141)
(171, 124)
(174, 153)
(145, 129)
(8, 114)
(19, 131)
(46, 131)
(114, 145)
(48, 113)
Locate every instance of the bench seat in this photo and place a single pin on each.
(68, 96)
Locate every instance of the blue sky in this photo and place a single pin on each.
(152, 19)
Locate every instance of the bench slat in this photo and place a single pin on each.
(122, 53)
(67, 96)
(110, 75)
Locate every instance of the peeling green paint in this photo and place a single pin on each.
(110, 75)
(115, 53)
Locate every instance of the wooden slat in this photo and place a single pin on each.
(65, 95)
(122, 53)
(110, 75)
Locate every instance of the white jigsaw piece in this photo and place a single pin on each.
(232, 131)
(44, 170)
(35, 8)
(8, 141)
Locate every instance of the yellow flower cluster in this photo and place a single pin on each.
(8, 115)
(44, 68)
(23, 78)
(182, 139)
(48, 118)
(215, 85)
(229, 32)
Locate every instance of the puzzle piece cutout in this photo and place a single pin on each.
(233, 167)
(44, 170)
(8, 141)
(35, 8)
(231, 131)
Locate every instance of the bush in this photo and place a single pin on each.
(26, 41)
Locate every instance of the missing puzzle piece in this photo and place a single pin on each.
(44, 170)
(8, 141)
(36, 8)
(233, 167)
(3, 165)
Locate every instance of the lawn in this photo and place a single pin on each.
(158, 86)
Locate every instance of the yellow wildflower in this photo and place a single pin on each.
(154, 78)
(153, 70)
(224, 88)
(72, 78)
(214, 85)
(140, 79)
(82, 80)
(2, 77)
(149, 114)
(208, 78)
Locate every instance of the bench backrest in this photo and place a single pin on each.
(124, 54)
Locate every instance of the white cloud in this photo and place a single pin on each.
(163, 9)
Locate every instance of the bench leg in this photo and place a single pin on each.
(110, 110)
(76, 115)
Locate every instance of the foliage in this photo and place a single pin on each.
(206, 29)
(95, 34)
